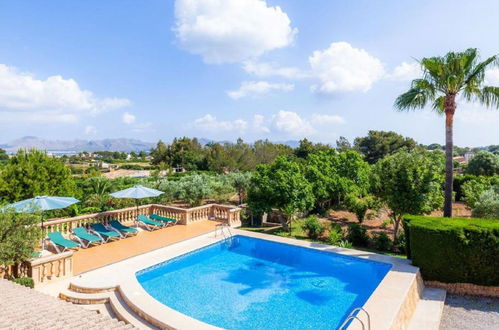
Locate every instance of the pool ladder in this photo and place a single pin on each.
(225, 233)
(354, 316)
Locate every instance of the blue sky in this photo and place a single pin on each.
(224, 69)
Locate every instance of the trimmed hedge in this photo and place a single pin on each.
(26, 281)
(454, 250)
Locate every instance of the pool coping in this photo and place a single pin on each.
(390, 306)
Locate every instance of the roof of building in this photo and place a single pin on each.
(24, 308)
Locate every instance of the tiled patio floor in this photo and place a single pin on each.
(145, 241)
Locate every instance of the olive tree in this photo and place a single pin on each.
(19, 235)
(410, 183)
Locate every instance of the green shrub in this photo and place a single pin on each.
(345, 244)
(382, 242)
(487, 205)
(357, 235)
(400, 243)
(26, 281)
(455, 250)
(313, 228)
(336, 234)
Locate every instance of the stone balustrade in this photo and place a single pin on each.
(51, 268)
(224, 213)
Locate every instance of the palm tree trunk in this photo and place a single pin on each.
(450, 109)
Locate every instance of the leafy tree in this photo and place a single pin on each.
(280, 185)
(3, 156)
(186, 152)
(474, 187)
(443, 79)
(266, 152)
(33, 173)
(19, 236)
(335, 175)
(435, 146)
(487, 205)
(307, 147)
(161, 154)
(410, 183)
(494, 149)
(378, 144)
(218, 159)
(342, 144)
(241, 182)
(484, 163)
(359, 205)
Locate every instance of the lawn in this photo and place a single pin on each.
(298, 233)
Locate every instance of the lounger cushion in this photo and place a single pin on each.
(58, 239)
(146, 220)
(158, 217)
(83, 234)
(99, 227)
(119, 226)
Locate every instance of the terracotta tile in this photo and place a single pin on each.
(145, 241)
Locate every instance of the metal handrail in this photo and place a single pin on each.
(352, 316)
(222, 232)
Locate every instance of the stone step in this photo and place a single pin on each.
(124, 312)
(429, 310)
(99, 301)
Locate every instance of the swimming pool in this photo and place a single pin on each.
(250, 283)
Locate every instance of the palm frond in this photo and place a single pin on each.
(478, 73)
(490, 96)
(439, 105)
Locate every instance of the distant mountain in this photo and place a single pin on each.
(74, 146)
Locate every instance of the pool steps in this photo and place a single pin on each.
(104, 299)
(429, 310)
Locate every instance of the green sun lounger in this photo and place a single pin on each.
(148, 223)
(106, 234)
(81, 234)
(122, 228)
(59, 241)
(166, 220)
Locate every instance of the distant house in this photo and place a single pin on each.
(469, 156)
(460, 159)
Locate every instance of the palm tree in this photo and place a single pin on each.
(443, 79)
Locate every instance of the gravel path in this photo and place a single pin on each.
(468, 312)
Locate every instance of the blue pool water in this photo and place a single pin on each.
(251, 283)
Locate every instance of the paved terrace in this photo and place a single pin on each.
(145, 241)
(23, 308)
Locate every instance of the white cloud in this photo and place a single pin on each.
(256, 88)
(128, 118)
(210, 123)
(53, 99)
(318, 119)
(231, 30)
(406, 72)
(90, 130)
(343, 68)
(492, 77)
(291, 123)
(263, 69)
(259, 124)
(475, 113)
